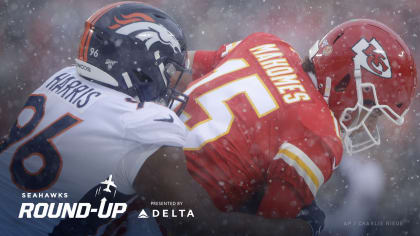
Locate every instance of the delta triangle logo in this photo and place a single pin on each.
(143, 214)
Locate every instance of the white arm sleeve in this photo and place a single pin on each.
(127, 168)
(151, 127)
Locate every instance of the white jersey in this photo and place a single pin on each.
(72, 135)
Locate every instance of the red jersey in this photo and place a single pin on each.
(259, 127)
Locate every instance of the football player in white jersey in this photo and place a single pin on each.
(101, 131)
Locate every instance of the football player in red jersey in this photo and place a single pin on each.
(265, 127)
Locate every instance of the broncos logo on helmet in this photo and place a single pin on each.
(151, 33)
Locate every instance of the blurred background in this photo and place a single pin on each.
(373, 193)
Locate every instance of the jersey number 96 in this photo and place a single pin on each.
(39, 144)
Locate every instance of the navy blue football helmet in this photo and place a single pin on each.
(134, 48)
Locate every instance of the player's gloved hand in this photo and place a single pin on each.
(314, 216)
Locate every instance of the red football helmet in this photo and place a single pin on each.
(363, 68)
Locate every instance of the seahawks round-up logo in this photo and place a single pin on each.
(372, 57)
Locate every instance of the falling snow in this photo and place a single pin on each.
(40, 37)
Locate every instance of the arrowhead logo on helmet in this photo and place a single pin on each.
(372, 57)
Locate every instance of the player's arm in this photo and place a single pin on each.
(200, 63)
(164, 177)
(204, 61)
(295, 175)
(297, 172)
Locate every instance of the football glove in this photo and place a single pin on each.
(314, 216)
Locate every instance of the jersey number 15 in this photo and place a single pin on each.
(214, 102)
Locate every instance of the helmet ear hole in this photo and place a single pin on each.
(346, 117)
(367, 89)
(142, 77)
(342, 85)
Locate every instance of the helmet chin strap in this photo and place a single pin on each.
(313, 78)
(358, 78)
(327, 90)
